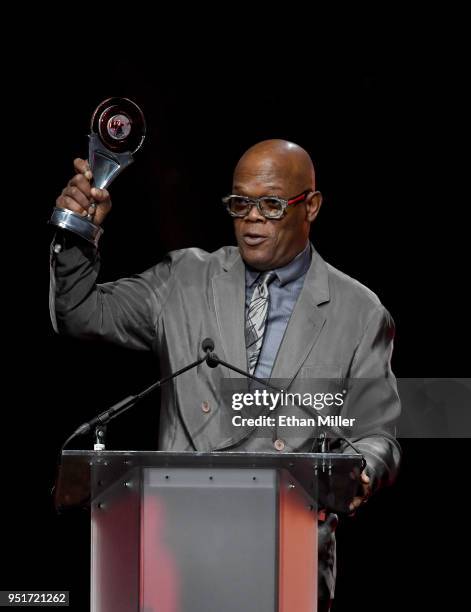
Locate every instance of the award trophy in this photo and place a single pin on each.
(118, 129)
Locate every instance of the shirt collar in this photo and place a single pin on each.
(296, 268)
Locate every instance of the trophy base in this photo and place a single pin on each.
(68, 220)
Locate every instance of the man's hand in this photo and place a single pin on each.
(365, 492)
(81, 198)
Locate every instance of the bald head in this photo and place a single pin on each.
(277, 162)
(283, 169)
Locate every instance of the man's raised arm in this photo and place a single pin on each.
(124, 312)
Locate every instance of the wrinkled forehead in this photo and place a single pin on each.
(269, 174)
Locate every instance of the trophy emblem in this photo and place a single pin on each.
(117, 131)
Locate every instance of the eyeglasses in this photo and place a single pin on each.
(271, 207)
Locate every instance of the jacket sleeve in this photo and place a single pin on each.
(372, 398)
(124, 312)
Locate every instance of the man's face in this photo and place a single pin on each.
(266, 244)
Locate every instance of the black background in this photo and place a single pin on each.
(386, 134)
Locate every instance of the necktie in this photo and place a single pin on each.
(256, 319)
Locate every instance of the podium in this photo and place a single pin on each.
(204, 532)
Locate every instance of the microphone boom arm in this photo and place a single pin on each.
(124, 405)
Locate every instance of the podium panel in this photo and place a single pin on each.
(203, 532)
(214, 533)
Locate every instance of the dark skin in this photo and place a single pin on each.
(281, 168)
(271, 167)
(79, 196)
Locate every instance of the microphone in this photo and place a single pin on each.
(207, 345)
(211, 358)
(124, 405)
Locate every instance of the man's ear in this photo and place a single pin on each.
(313, 205)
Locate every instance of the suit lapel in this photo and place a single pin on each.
(301, 334)
(229, 305)
(303, 328)
(305, 322)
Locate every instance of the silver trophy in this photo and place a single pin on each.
(118, 129)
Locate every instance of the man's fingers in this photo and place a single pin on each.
(82, 167)
(355, 503)
(82, 183)
(364, 478)
(74, 193)
(102, 211)
(81, 198)
(65, 201)
(100, 195)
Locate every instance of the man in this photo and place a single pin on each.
(272, 305)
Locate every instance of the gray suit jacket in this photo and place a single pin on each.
(338, 330)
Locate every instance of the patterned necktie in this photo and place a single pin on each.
(257, 318)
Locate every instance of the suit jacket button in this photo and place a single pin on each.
(205, 407)
(279, 445)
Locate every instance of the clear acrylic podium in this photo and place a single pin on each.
(204, 532)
